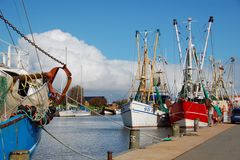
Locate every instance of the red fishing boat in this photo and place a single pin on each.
(191, 103)
(185, 112)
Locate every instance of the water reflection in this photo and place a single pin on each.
(91, 135)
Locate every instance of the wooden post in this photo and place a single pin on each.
(134, 139)
(175, 129)
(196, 124)
(20, 155)
(109, 155)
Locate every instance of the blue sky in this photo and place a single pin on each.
(107, 29)
(110, 25)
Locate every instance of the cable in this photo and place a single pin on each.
(65, 145)
(112, 119)
(9, 34)
(29, 41)
(18, 15)
(30, 28)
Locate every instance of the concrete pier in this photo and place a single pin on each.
(176, 147)
(224, 146)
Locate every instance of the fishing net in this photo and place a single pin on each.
(37, 97)
(10, 99)
(3, 91)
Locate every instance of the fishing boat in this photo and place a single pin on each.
(74, 111)
(193, 100)
(222, 91)
(27, 103)
(145, 107)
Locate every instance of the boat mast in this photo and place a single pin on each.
(145, 68)
(143, 79)
(138, 76)
(200, 65)
(151, 88)
(178, 42)
(210, 21)
(188, 64)
(214, 72)
(230, 80)
(139, 54)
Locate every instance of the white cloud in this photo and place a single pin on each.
(89, 67)
(99, 76)
(98, 73)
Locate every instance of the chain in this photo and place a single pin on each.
(29, 41)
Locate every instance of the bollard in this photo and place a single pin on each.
(134, 139)
(210, 116)
(19, 155)
(196, 124)
(175, 129)
(109, 155)
(210, 121)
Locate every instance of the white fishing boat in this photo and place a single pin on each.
(79, 113)
(66, 113)
(118, 111)
(74, 111)
(145, 107)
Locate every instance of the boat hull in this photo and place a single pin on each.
(67, 113)
(73, 113)
(136, 114)
(18, 133)
(82, 113)
(185, 112)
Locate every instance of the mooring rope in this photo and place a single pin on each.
(67, 146)
(110, 119)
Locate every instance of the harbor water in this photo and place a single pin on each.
(90, 135)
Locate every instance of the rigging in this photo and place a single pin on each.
(10, 35)
(30, 28)
(29, 41)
